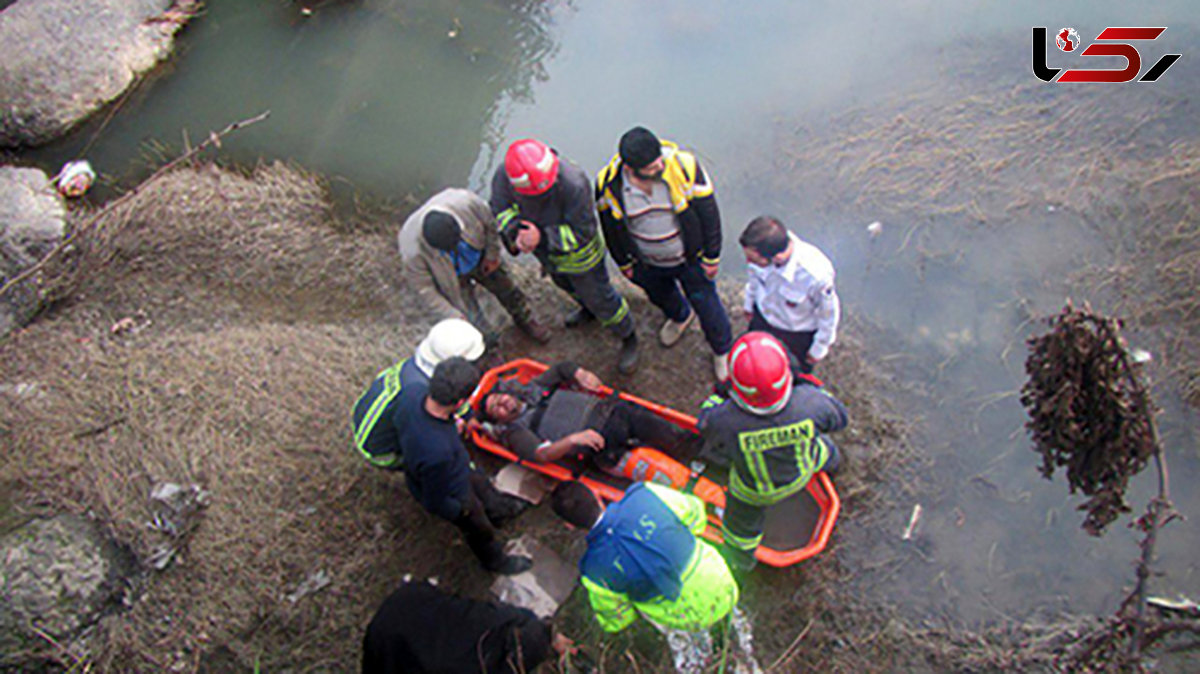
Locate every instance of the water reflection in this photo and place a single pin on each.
(393, 96)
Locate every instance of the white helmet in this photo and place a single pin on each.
(449, 338)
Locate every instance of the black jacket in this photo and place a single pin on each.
(421, 630)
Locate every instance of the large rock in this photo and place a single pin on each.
(64, 59)
(32, 217)
(58, 576)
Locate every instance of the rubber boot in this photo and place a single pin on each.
(532, 327)
(627, 360)
(510, 565)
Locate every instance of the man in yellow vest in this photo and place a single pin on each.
(663, 229)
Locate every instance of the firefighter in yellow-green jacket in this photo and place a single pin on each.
(644, 556)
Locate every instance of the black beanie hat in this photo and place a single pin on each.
(639, 147)
(441, 230)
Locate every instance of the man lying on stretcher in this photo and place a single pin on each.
(562, 414)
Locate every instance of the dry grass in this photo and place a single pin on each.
(256, 320)
(1124, 163)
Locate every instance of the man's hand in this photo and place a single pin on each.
(489, 265)
(710, 270)
(468, 426)
(563, 645)
(588, 381)
(808, 358)
(748, 315)
(528, 237)
(589, 438)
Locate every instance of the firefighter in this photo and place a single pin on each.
(771, 430)
(374, 414)
(544, 206)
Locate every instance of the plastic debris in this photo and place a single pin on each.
(76, 178)
(912, 523)
(523, 483)
(315, 582)
(875, 229)
(1181, 604)
(1141, 356)
(544, 587)
(176, 511)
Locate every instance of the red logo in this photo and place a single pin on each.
(1067, 39)
(1116, 44)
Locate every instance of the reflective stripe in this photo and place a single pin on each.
(679, 173)
(503, 218)
(755, 462)
(740, 542)
(391, 388)
(764, 497)
(581, 260)
(567, 236)
(622, 312)
(712, 401)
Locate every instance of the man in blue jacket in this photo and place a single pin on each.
(644, 556)
(437, 467)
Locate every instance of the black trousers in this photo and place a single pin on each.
(742, 523)
(475, 526)
(798, 343)
(631, 425)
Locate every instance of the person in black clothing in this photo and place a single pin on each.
(421, 630)
(436, 465)
(560, 414)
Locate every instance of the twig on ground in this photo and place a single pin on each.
(213, 139)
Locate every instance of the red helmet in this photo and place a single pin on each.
(532, 167)
(761, 373)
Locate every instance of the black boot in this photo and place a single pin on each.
(578, 317)
(627, 360)
(510, 565)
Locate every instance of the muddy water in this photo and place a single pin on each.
(413, 96)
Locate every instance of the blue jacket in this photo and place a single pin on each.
(644, 557)
(436, 465)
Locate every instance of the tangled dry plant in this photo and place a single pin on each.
(1091, 412)
(1088, 411)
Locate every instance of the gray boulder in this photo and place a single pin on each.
(32, 217)
(64, 59)
(59, 576)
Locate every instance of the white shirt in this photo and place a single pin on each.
(798, 296)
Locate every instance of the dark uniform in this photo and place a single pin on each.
(572, 248)
(771, 458)
(375, 418)
(553, 411)
(421, 630)
(438, 472)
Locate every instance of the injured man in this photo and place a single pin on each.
(562, 414)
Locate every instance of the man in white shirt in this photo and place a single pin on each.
(790, 293)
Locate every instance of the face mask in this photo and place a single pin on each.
(466, 258)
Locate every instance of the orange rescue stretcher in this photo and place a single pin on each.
(796, 528)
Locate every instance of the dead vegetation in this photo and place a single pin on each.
(215, 331)
(1124, 163)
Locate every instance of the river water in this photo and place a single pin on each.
(397, 98)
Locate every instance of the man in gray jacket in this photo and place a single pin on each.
(450, 244)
